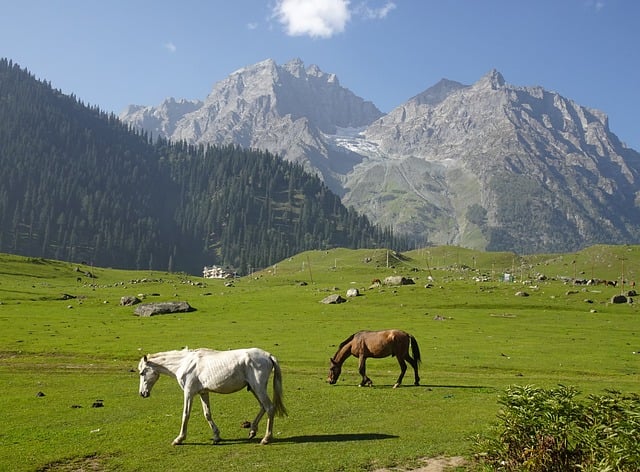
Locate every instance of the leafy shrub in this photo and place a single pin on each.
(551, 430)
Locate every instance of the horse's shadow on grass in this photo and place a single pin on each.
(336, 437)
(305, 438)
(464, 387)
(425, 386)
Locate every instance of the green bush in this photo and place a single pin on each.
(551, 430)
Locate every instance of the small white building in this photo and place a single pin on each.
(215, 272)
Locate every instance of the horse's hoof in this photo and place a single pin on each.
(396, 385)
(252, 434)
(264, 441)
(216, 440)
(176, 442)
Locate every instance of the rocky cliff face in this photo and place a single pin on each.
(500, 167)
(490, 166)
(285, 109)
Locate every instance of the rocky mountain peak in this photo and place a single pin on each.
(488, 165)
(295, 67)
(438, 92)
(493, 80)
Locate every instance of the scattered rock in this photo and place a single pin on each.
(618, 299)
(129, 301)
(353, 292)
(333, 299)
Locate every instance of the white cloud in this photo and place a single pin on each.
(252, 26)
(315, 18)
(376, 13)
(170, 47)
(597, 5)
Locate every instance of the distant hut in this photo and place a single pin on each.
(215, 272)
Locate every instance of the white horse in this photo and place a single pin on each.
(200, 371)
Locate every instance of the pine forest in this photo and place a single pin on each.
(77, 184)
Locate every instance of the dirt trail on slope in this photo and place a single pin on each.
(434, 464)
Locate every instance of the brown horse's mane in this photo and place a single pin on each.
(346, 341)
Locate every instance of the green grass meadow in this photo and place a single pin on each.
(61, 356)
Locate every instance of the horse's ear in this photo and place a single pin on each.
(145, 358)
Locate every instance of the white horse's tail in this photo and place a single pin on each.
(278, 405)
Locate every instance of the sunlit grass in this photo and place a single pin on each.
(476, 338)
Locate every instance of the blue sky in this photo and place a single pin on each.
(120, 52)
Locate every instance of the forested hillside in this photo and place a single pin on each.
(77, 184)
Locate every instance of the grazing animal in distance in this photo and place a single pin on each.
(376, 344)
(200, 371)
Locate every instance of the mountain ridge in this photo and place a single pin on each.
(448, 165)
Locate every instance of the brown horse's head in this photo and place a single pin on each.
(334, 372)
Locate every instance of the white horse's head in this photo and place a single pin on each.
(148, 377)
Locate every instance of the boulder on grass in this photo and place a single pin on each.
(618, 299)
(162, 308)
(398, 280)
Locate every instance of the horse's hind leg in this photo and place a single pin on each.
(255, 422)
(414, 364)
(266, 406)
(403, 369)
(206, 408)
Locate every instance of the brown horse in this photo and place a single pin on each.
(376, 344)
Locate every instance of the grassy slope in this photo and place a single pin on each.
(476, 338)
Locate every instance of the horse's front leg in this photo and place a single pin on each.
(206, 408)
(362, 369)
(186, 411)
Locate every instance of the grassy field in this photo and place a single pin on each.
(69, 351)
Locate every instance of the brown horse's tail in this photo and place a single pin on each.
(415, 349)
(278, 404)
